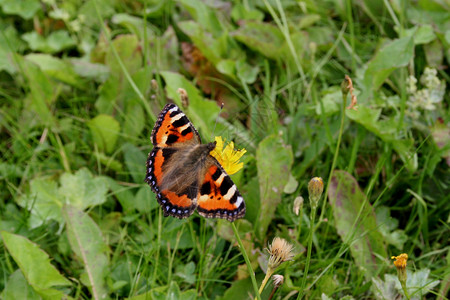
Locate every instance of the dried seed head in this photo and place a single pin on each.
(280, 251)
(278, 280)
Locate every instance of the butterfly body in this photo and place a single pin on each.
(183, 174)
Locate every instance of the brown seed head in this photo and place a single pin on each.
(280, 251)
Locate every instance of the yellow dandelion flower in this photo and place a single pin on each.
(228, 157)
(400, 264)
(400, 261)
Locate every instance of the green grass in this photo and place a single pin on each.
(81, 85)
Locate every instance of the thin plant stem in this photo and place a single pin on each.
(247, 261)
(308, 257)
(336, 154)
(405, 290)
(299, 231)
(264, 282)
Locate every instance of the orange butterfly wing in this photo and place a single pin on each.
(218, 196)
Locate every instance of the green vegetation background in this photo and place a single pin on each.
(81, 85)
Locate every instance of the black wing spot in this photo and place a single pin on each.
(186, 131)
(216, 174)
(180, 122)
(234, 198)
(172, 139)
(226, 185)
(174, 113)
(206, 189)
(167, 153)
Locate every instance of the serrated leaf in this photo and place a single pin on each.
(34, 264)
(273, 160)
(366, 242)
(83, 190)
(105, 132)
(388, 228)
(87, 242)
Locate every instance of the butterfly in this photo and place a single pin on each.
(183, 174)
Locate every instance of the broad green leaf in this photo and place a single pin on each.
(388, 228)
(396, 54)
(55, 42)
(82, 190)
(43, 201)
(243, 289)
(42, 92)
(273, 160)
(87, 242)
(134, 24)
(105, 132)
(123, 194)
(86, 69)
(9, 43)
(34, 264)
(135, 160)
(24, 8)
(265, 38)
(145, 200)
(385, 130)
(202, 40)
(245, 72)
(434, 53)
(421, 35)
(243, 12)
(109, 162)
(366, 242)
(17, 287)
(129, 52)
(56, 68)
(204, 15)
(108, 95)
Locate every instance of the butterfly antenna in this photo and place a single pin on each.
(217, 118)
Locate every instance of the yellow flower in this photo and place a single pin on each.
(400, 264)
(400, 261)
(228, 157)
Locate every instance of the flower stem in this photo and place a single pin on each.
(247, 261)
(308, 257)
(264, 282)
(405, 290)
